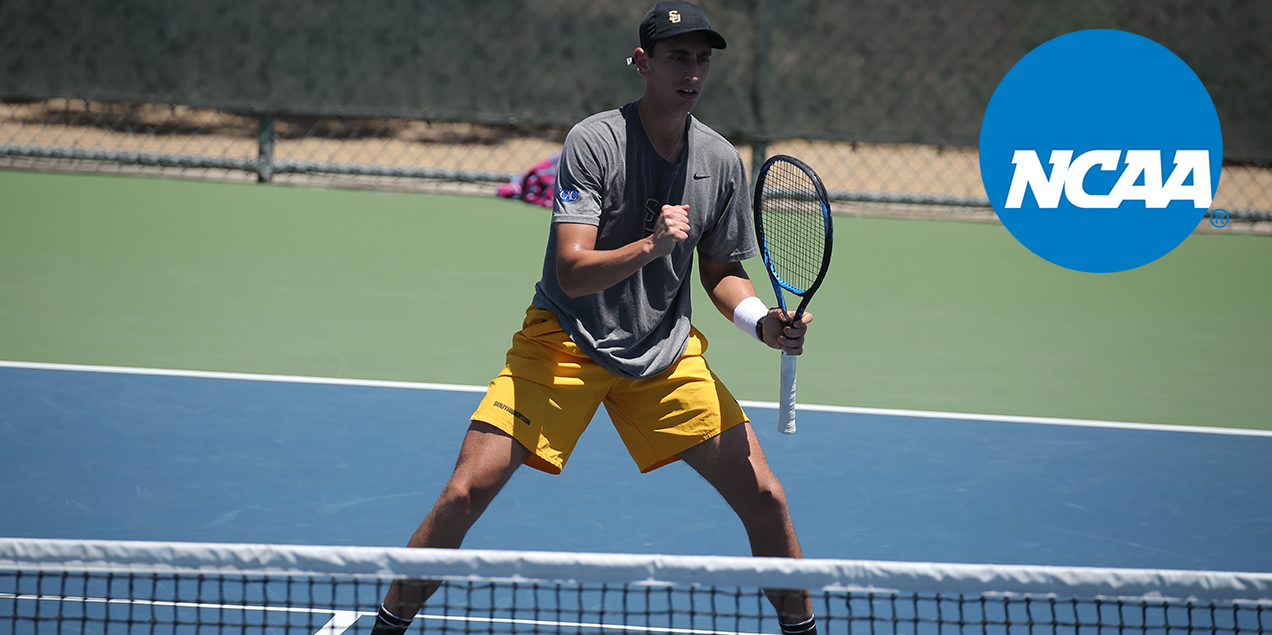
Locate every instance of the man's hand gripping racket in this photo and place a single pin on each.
(794, 229)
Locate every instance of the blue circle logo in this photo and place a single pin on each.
(1101, 151)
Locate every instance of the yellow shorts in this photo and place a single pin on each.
(549, 390)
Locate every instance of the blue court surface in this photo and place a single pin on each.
(110, 455)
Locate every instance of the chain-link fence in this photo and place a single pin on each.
(884, 99)
(395, 153)
(175, 140)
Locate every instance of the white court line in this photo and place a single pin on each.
(206, 374)
(557, 626)
(886, 412)
(341, 620)
(1048, 421)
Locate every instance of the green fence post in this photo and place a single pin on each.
(265, 147)
(758, 150)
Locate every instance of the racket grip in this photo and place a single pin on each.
(786, 409)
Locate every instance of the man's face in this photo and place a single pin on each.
(677, 70)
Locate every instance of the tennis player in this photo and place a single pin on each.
(641, 189)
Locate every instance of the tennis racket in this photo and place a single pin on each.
(794, 229)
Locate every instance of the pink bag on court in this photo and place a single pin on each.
(536, 186)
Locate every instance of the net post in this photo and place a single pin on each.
(265, 148)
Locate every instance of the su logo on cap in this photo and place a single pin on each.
(674, 16)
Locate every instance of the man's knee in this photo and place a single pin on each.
(486, 461)
(770, 495)
(765, 500)
(469, 493)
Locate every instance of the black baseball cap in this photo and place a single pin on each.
(669, 19)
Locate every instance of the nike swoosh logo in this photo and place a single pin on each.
(699, 177)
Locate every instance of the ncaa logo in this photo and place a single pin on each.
(568, 196)
(1101, 151)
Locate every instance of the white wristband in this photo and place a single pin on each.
(748, 313)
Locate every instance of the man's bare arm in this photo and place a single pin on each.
(728, 285)
(582, 269)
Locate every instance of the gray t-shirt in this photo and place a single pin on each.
(610, 176)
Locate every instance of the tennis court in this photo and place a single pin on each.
(376, 314)
(106, 455)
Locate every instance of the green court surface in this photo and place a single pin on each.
(925, 315)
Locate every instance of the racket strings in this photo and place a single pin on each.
(793, 225)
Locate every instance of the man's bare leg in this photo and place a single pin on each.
(734, 464)
(486, 461)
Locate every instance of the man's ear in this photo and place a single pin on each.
(641, 60)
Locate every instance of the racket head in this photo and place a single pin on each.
(793, 226)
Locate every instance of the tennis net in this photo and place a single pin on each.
(60, 586)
